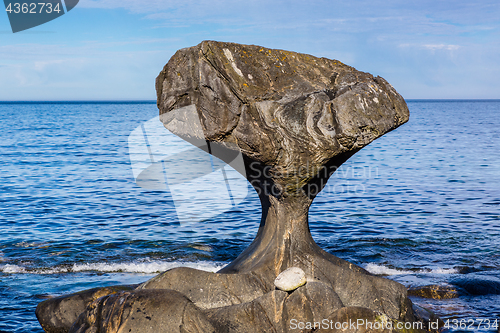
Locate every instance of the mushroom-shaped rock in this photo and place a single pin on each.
(290, 279)
(295, 119)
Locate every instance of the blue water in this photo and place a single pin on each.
(420, 205)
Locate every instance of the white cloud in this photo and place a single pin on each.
(431, 47)
(434, 47)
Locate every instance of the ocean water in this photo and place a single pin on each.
(421, 205)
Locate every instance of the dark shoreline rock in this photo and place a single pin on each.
(477, 284)
(295, 119)
(144, 311)
(58, 314)
(430, 320)
(434, 292)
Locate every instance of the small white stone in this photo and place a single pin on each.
(290, 279)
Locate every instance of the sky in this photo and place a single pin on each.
(114, 49)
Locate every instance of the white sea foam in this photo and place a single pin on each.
(12, 269)
(142, 267)
(444, 271)
(145, 267)
(158, 266)
(384, 270)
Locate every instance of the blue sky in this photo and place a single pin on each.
(114, 49)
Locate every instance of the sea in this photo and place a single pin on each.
(420, 205)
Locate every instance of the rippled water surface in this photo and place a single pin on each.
(420, 205)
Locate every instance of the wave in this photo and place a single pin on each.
(141, 267)
(384, 270)
(158, 266)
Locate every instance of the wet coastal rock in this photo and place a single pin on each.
(57, 315)
(278, 311)
(431, 322)
(295, 119)
(434, 292)
(477, 284)
(144, 311)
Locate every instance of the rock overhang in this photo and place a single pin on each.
(284, 109)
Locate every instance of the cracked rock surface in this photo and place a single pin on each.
(295, 119)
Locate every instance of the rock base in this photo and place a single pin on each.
(189, 300)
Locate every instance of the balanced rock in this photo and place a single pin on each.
(290, 279)
(295, 119)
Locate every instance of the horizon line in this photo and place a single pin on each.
(151, 101)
